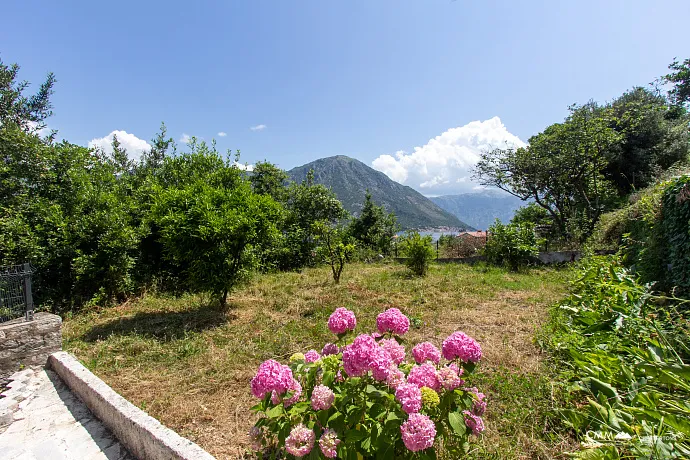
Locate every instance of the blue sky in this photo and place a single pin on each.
(360, 78)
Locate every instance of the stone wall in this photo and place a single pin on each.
(28, 343)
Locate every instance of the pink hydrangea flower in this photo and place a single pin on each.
(396, 377)
(300, 441)
(424, 375)
(322, 397)
(394, 349)
(357, 355)
(418, 432)
(295, 387)
(426, 351)
(341, 321)
(410, 397)
(456, 368)
(364, 355)
(311, 356)
(256, 437)
(392, 320)
(271, 376)
(329, 443)
(479, 405)
(330, 349)
(461, 345)
(449, 378)
(473, 422)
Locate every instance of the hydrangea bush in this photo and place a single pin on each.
(364, 397)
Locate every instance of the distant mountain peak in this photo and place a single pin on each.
(349, 179)
(482, 207)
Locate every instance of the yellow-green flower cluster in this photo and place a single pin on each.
(297, 357)
(330, 363)
(430, 398)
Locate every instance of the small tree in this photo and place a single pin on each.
(419, 251)
(213, 226)
(512, 245)
(333, 247)
(374, 229)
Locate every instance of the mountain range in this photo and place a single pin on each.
(349, 179)
(480, 209)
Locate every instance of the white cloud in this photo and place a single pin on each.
(185, 138)
(134, 146)
(243, 166)
(258, 127)
(32, 127)
(222, 134)
(444, 165)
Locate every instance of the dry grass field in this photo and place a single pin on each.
(188, 362)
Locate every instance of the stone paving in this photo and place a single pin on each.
(40, 419)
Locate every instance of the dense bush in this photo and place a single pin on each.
(674, 229)
(212, 225)
(652, 232)
(361, 399)
(627, 358)
(456, 246)
(511, 245)
(418, 252)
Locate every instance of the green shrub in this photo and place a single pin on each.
(418, 251)
(511, 245)
(653, 232)
(625, 365)
(212, 228)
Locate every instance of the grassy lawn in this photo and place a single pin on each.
(188, 362)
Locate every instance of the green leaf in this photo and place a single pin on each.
(597, 386)
(275, 412)
(457, 423)
(355, 435)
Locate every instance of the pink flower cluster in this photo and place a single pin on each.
(363, 355)
(461, 345)
(271, 376)
(322, 397)
(341, 321)
(473, 422)
(330, 349)
(295, 387)
(329, 443)
(410, 397)
(311, 356)
(449, 378)
(392, 320)
(424, 375)
(300, 441)
(426, 351)
(479, 405)
(396, 377)
(394, 349)
(418, 432)
(256, 437)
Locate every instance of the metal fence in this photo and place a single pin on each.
(15, 292)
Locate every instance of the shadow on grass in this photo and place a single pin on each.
(164, 325)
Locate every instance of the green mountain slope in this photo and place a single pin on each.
(480, 209)
(350, 178)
